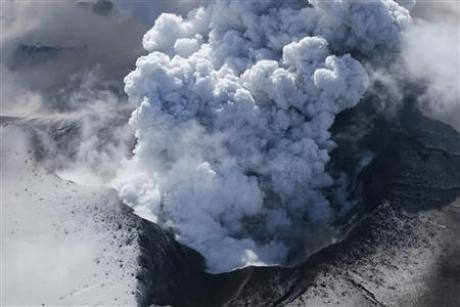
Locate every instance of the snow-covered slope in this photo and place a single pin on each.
(61, 243)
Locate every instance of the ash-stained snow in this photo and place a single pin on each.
(62, 243)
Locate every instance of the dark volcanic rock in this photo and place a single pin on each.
(27, 56)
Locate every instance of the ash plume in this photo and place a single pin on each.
(233, 106)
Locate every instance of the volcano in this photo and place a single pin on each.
(247, 154)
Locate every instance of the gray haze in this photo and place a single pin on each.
(432, 55)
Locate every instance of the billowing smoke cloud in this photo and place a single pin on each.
(233, 106)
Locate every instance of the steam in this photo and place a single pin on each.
(69, 78)
(233, 106)
(431, 54)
